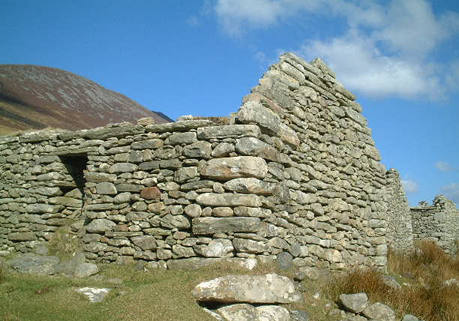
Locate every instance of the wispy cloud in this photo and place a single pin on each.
(410, 186)
(385, 50)
(444, 166)
(452, 192)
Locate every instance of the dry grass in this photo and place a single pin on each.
(63, 243)
(422, 272)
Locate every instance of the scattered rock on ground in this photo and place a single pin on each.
(379, 312)
(355, 303)
(35, 264)
(94, 294)
(268, 288)
(48, 265)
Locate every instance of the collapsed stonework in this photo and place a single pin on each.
(295, 172)
(438, 222)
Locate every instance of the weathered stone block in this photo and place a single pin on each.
(215, 248)
(182, 138)
(100, 225)
(235, 167)
(228, 199)
(228, 131)
(249, 246)
(212, 225)
(198, 150)
(122, 168)
(106, 188)
(253, 112)
(254, 147)
(269, 288)
(185, 173)
(250, 186)
(22, 236)
(146, 242)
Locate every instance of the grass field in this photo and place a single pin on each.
(166, 295)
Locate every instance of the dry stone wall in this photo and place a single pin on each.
(438, 222)
(295, 174)
(399, 226)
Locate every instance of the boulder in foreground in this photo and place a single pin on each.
(262, 289)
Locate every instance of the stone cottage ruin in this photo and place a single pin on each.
(294, 172)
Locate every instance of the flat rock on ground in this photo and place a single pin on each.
(268, 288)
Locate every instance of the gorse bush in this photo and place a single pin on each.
(425, 292)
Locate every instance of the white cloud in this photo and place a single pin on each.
(444, 166)
(410, 186)
(451, 191)
(385, 51)
(236, 16)
(360, 65)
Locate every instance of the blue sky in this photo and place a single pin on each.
(401, 59)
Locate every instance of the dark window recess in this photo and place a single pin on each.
(75, 165)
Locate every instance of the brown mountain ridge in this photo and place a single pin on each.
(36, 97)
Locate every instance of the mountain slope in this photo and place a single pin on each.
(35, 97)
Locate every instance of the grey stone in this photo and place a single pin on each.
(268, 288)
(49, 191)
(177, 221)
(22, 236)
(43, 208)
(212, 225)
(223, 149)
(228, 199)
(106, 188)
(254, 147)
(254, 112)
(178, 126)
(215, 248)
(197, 263)
(198, 149)
(66, 201)
(122, 198)
(34, 264)
(145, 242)
(100, 225)
(379, 312)
(96, 177)
(182, 138)
(148, 144)
(272, 312)
(299, 315)
(228, 131)
(284, 260)
(94, 295)
(250, 185)
(84, 270)
(355, 303)
(235, 167)
(249, 246)
(222, 211)
(186, 173)
(193, 210)
(238, 312)
(122, 168)
(410, 317)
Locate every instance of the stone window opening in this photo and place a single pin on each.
(75, 165)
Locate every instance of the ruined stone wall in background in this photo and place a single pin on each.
(294, 173)
(438, 222)
(399, 227)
